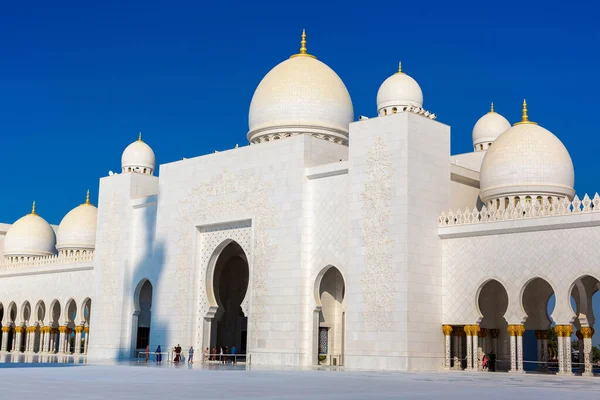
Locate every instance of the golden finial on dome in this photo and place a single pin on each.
(303, 51)
(87, 198)
(525, 116)
(400, 68)
(492, 108)
(33, 209)
(140, 137)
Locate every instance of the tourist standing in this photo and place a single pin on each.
(147, 355)
(158, 355)
(191, 355)
(221, 359)
(492, 361)
(205, 356)
(214, 353)
(226, 352)
(233, 353)
(177, 353)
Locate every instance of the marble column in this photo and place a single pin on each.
(18, 338)
(460, 332)
(561, 351)
(447, 329)
(475, 333)
(86, 330)
(5, 332)
(48, 337)
(580, 361)
(513, 348)
(62, 349)
(587, 334)
(519, 331)
(545, 355)
(78, 330)
(567, 332)
(538, 336)
(469, 347)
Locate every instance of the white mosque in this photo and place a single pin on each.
(326, 240)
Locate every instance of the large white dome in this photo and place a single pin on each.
(488, 128)
(300, 95)
(30, 236)
(138, 157)
(397, 91)
(77, 230)
(527, 160)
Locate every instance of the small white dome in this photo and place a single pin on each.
(397, 91)
(300, 95)
(488, 128)
(30, 236)
(527, 160)
(77, 230)
(138, 157)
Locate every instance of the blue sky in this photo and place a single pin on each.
(78, 80)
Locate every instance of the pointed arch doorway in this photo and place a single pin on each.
(226, 323)
(329, 317)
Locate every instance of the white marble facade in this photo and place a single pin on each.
(321, 242)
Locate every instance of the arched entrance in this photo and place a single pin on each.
(142, 314)
(535, 299)
(493, 303)
(584, 295)
(69, 344)
(12, 317)
(55, 312)
(330, 314)
(227, 289)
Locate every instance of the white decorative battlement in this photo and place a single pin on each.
(63, 258)
(524, 209)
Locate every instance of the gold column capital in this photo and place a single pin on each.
(78, 329)
(467, 329)
(586, 332)
(5, 329)
(559, 330)
(447, 329)
(475, 329)
(511, 330)
(567, 330)
(86, 329)
(519, 330)
(63, 329)
(18, 329)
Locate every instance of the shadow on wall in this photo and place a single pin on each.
(149, 268)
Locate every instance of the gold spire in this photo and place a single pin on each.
(492, 108)
(525, 117)
(87, 198)
(303, 52)
(400, 68)
(33, 209)
(140, 137)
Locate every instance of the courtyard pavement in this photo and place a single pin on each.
(140, 381)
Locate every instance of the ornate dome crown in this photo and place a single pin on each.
(77, 230)
(30, 236)
(138, 157)
(527, 160)
(398, 91)
(488, 128)
(301, 95)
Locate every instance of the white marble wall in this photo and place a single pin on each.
(399, 171)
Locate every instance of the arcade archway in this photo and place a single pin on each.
(330, 315)
(142, 315)
(228, 289)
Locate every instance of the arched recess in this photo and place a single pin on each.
(54, 321)
(25, 313)
(492, 303)
(11, 322)
(70, 318)
(227, 277)
(142, 315)
(329, 317)
(86, 310)
(538, 301)
(40, 312)
(583, 291)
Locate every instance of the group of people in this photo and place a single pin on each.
(488, 362)
(224, 355)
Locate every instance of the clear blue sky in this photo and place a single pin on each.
(78, 80)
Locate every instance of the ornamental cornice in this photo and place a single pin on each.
(526, 207)
(62, 258)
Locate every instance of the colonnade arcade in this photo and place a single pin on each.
(537, 343)
(45, 329)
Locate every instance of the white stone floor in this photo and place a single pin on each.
(138, 381)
